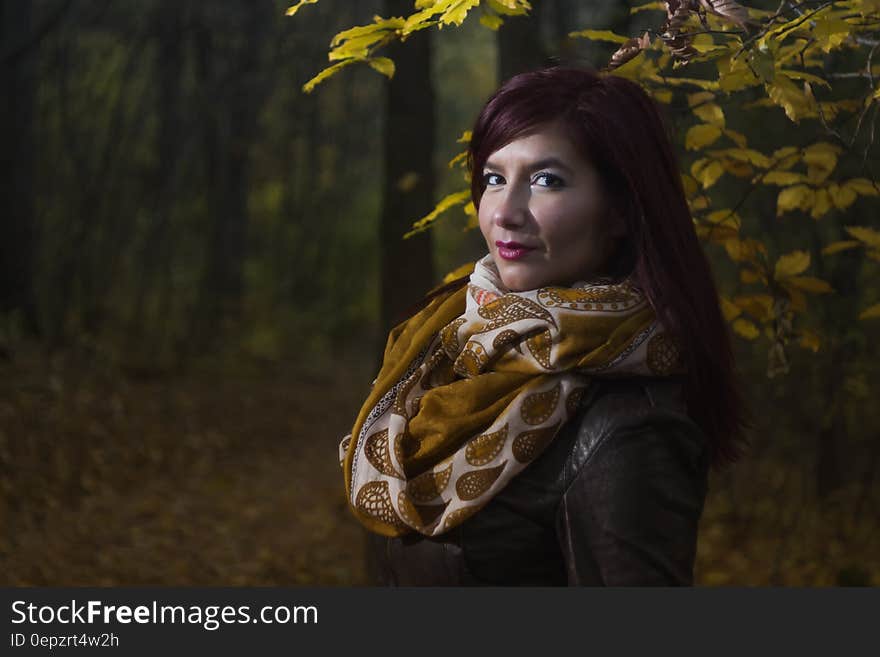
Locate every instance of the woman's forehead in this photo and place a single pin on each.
(547, 144)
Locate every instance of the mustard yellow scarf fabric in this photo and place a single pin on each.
(477, 384)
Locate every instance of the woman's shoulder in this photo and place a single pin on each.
(622, 413)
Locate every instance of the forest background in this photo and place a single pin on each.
(200, 261)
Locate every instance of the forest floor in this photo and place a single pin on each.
(211, 479)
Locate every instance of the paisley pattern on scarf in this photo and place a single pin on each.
(476, 385)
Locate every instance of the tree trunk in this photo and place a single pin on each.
(230, 127)
(17, 243)
(520, 46)
(406, 268)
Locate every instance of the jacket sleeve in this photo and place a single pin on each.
(630, 515)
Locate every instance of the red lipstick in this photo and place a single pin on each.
(512, 250)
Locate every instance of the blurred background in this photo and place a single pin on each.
(200, 263)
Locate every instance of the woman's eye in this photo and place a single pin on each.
(548, 180)
(492, 179)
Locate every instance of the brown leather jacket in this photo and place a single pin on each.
(615, 500)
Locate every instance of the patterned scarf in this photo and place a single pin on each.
(475, 386)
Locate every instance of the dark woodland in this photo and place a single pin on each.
(199, 263)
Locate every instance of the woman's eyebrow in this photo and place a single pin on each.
(547, 162)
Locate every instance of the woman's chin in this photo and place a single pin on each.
(516, 282)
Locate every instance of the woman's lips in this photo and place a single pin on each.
(512, 250)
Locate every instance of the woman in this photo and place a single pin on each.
(550, 419)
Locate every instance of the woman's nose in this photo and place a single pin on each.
(513, 208)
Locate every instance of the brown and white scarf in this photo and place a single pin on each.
(476, 385)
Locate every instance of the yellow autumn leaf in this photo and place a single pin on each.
(724, 217)
(458, 159)
(656, 6)
(420, 19)
(701, 135)
(599, 35)
(741, 250)
(295, 8)
(759, 306)
(862, 186)
(870, 312)
(379, 28)
(786, 157)
(738, 169)
(809, 77)
(822, 154)
(810, 340)
(837, 247)
(745, 328)
(792, 198)
(699, 97)
(736, 80)
(743, 155)
(749, 276)
(710, 113)
(830, 33)
(717, 234)
(791, 264)
(709, 85)
(821, 204)
(662, 95)
(326, 73)
(841, 196)
(737, 138)
(866, 235)
(810, 284)
(382, 64)
(729, 309)
(798, 299)
(492, 21)
(784, 178)
(785, 93)
(458, 272)
(456, 198)
(632, 69)
(707, 172)
(510, 7)
(457, 11)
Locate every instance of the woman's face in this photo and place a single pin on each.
(544, 212)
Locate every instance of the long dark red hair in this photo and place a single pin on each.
(619, 129)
